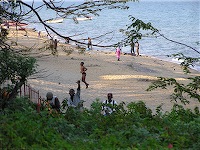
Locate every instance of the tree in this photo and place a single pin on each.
(135, 31)
(15, 67)
(181, 91)
(19, 11)
(14, 70)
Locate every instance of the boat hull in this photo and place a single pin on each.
(60, 20)
(82, 19)
(13, 24)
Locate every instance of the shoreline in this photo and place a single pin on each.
(164, 58)
(74, 46)
(127, 79)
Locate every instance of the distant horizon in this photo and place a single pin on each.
(139, 0)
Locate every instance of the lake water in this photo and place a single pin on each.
(178, 21)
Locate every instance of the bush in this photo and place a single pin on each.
(132, 128)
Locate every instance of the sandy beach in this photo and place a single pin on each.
(127, 79)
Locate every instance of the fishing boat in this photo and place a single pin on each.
(14, 23)
(56, 20)
(84, 18)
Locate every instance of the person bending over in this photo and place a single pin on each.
(53, 101)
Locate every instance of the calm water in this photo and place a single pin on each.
(179, 21)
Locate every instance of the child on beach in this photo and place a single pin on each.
(118, 52)
(83, 71)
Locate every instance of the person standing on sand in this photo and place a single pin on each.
(132, 48)
(55, 44)
(39, 34)
(89, 43)
(83, 71)
(118, 53)
(137, 46)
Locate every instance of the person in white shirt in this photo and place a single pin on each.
(137, 46)
(108, 105)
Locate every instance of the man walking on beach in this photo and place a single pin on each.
(83, 71)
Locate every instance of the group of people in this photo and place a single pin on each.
(72, 101)
(75, 101)
(134, 45)
(74, 97)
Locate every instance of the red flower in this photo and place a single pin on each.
(170, 146)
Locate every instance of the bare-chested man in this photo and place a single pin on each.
(83, 71)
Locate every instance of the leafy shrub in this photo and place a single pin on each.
(134, 127)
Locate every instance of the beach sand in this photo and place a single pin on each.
(127, 79)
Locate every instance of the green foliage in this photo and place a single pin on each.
(136, 30)
(20, 105)
(14, 69)
(3, 34)
(186, 61)
(181, 91)
(23, 128)
(133, 127)
(15, 66)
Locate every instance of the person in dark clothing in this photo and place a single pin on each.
(53, 101)
(89, 43)
(132, 48)
(83, 72)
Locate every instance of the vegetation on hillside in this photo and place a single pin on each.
(133, 126)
